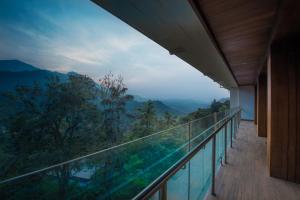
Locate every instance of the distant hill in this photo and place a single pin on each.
(159, 106)
(222, 100)
(15, 66)
(185, 106)
(140, 99)
(15, 73)
(178, 106)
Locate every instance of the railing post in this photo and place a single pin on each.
(215, 119)
(163, 192)
(237, 123)
(213, 165)
(189, 164)
(234, 124)
(239, 118)
(189, 136)
(225, 150)
(240, 114)
(231, 132)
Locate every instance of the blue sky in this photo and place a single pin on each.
(77, 35)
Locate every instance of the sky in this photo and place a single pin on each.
(79, 36)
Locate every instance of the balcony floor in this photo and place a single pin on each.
(246, 175)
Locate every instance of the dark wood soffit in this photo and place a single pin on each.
(211, 35)
(242, 29)
(288, 20)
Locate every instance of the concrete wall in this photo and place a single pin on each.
(243, 97)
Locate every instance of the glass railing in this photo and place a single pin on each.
(125, 171)
(191, 177)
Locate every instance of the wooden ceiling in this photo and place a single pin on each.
(242, 30)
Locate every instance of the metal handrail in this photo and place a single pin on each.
(160, 182)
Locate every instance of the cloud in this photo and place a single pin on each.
(85, 56)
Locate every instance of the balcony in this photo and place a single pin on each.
(252, 48)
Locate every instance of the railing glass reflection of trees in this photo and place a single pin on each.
(194, 174)
(125, 171)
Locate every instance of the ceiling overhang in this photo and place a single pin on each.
(175, 25)
(243, 30)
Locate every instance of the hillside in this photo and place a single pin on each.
(15, 66)
(185, 106)
(15, 73)
(159, 106)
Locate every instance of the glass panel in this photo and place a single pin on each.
(220, 148)
(200, 129)
(228, 134)
(201, 172)
(155, 196)
(178, 185)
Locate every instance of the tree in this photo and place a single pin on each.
(146, 119)
(168, 120)
(215, 106)
(113, 100)
(53, 124)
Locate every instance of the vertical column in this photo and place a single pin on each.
(231, 131)
(255, 104)
(163, 192)
(262, 105)
(213, 163)
(225, 150)
(283, 110)
(234, 125)
(189, 135)
(189, 163)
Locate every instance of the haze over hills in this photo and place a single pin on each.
(16, 73)
(182, 106)
(185, 106)
(159, 107)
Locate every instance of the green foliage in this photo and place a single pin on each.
(113, 99)
(52, 125)
(146, 120)
(215, 106)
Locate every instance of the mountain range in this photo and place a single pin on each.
(15, 73)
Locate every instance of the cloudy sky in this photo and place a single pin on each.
(77, 35)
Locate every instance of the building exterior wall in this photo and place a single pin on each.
(244, 96)
(234, 98)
